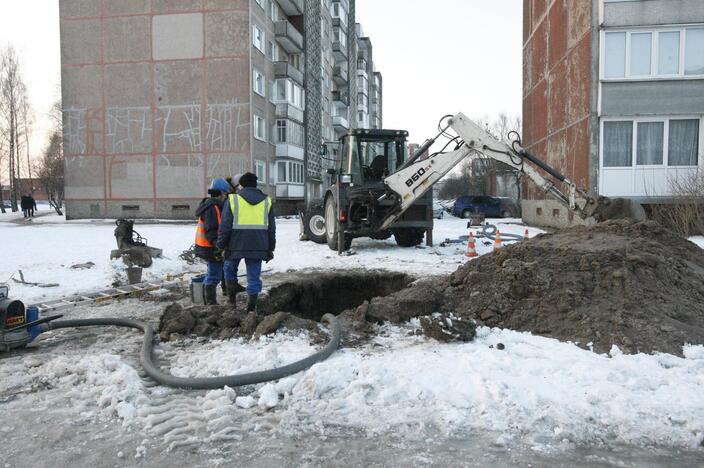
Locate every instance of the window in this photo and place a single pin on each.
(290, 172)
(289, 132)
(272, 51)
(650, 143)
(615, 55)
(683, 142)
(694, 52)
(260, 170)
(669, 53)
(671, 142)
(340, 37)
(260, 3)
(259, 128)
(273, 11)
(639, 54)
(258, 38)
(285, 90)
(259, 83)
(338, 11)
(618, 144)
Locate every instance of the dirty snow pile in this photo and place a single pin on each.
(532, 390)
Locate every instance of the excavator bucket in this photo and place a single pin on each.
(618, 208)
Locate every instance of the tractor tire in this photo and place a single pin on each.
(381, 235)
(331, 226)
(409, 237)
(314, 223)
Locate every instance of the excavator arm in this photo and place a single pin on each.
(419, 174)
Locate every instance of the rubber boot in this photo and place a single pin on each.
(252, 303)
(233, 288)
(210, 294)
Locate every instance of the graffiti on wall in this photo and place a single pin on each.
(128, 130)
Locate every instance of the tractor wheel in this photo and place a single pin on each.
(332, 226)
(314, 223)
(409, 237)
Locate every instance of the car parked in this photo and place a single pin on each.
(492, 207)
(438, 210)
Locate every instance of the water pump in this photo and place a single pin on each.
(19, 325)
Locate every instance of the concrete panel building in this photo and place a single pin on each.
(161, 96)
(613, 96)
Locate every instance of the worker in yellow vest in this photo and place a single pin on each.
(247, 232)
(209, 214)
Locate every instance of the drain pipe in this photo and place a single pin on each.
(206, 383)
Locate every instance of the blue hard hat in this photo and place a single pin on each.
(221, 185)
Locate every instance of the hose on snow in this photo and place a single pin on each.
(206, 383)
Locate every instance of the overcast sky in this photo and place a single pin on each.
(437, 57)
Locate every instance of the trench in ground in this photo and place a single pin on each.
(313, 295)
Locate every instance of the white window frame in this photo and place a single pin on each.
(634, 147)
(260, 170)
(272, 51)
(259, 124)
(261, 46)
(273, 11)
(654, 54)
(256, 73)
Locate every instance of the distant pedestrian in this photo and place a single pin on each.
(32, 203)
(209, 214)
(24, 204)
(248, 232)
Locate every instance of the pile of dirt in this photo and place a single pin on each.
(635, 285)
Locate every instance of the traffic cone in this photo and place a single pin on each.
(497, 240)
(471, 248)
(526, 235)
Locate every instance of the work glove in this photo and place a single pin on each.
(269, 256)
(218, 254)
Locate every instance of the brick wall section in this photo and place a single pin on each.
(557, 75)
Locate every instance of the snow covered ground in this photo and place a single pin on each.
(536, 400)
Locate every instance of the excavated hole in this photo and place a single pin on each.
(313, 295)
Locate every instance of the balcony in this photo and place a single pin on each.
(340, 123)
(286, 70)
(341, 98)
(289, 191)
(339, 23)
(291, 7)
(287, 111)
(340, 76)
(288, 37)
(339, 50)
(287, 150)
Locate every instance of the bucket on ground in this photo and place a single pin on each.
(198, 290)
(134, 275)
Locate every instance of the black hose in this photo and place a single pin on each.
(207, 383)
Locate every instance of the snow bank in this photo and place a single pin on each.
(535, 390)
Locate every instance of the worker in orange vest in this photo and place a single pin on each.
(209, 215)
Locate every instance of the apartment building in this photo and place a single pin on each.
(613, 97)
(160, 97)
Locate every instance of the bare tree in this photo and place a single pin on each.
(50, 172)
(13, 96)
(2, 197)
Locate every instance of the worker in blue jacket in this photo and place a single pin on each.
(247, 232)
(209, 214)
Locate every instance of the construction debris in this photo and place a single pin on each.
(29, 283)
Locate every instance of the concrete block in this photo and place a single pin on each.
(85, 177)
(83, 131)
(177, 209)
(180, 176)
(178, 36)
(127, 85)
(179, 128)
(135, 209)
(178, 82)
(227, 165)
(228, 81)
(80, 41)
(226, 4)
(130, 177)
(84, 209)
(127, 39)
(128, 130)
(79, 8)
(227, 34)
(227, 127)
(125, 7)
(172, 6)
(82, 87)
(579, 21)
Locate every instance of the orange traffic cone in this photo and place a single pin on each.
(471, 248)
(497, 241)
